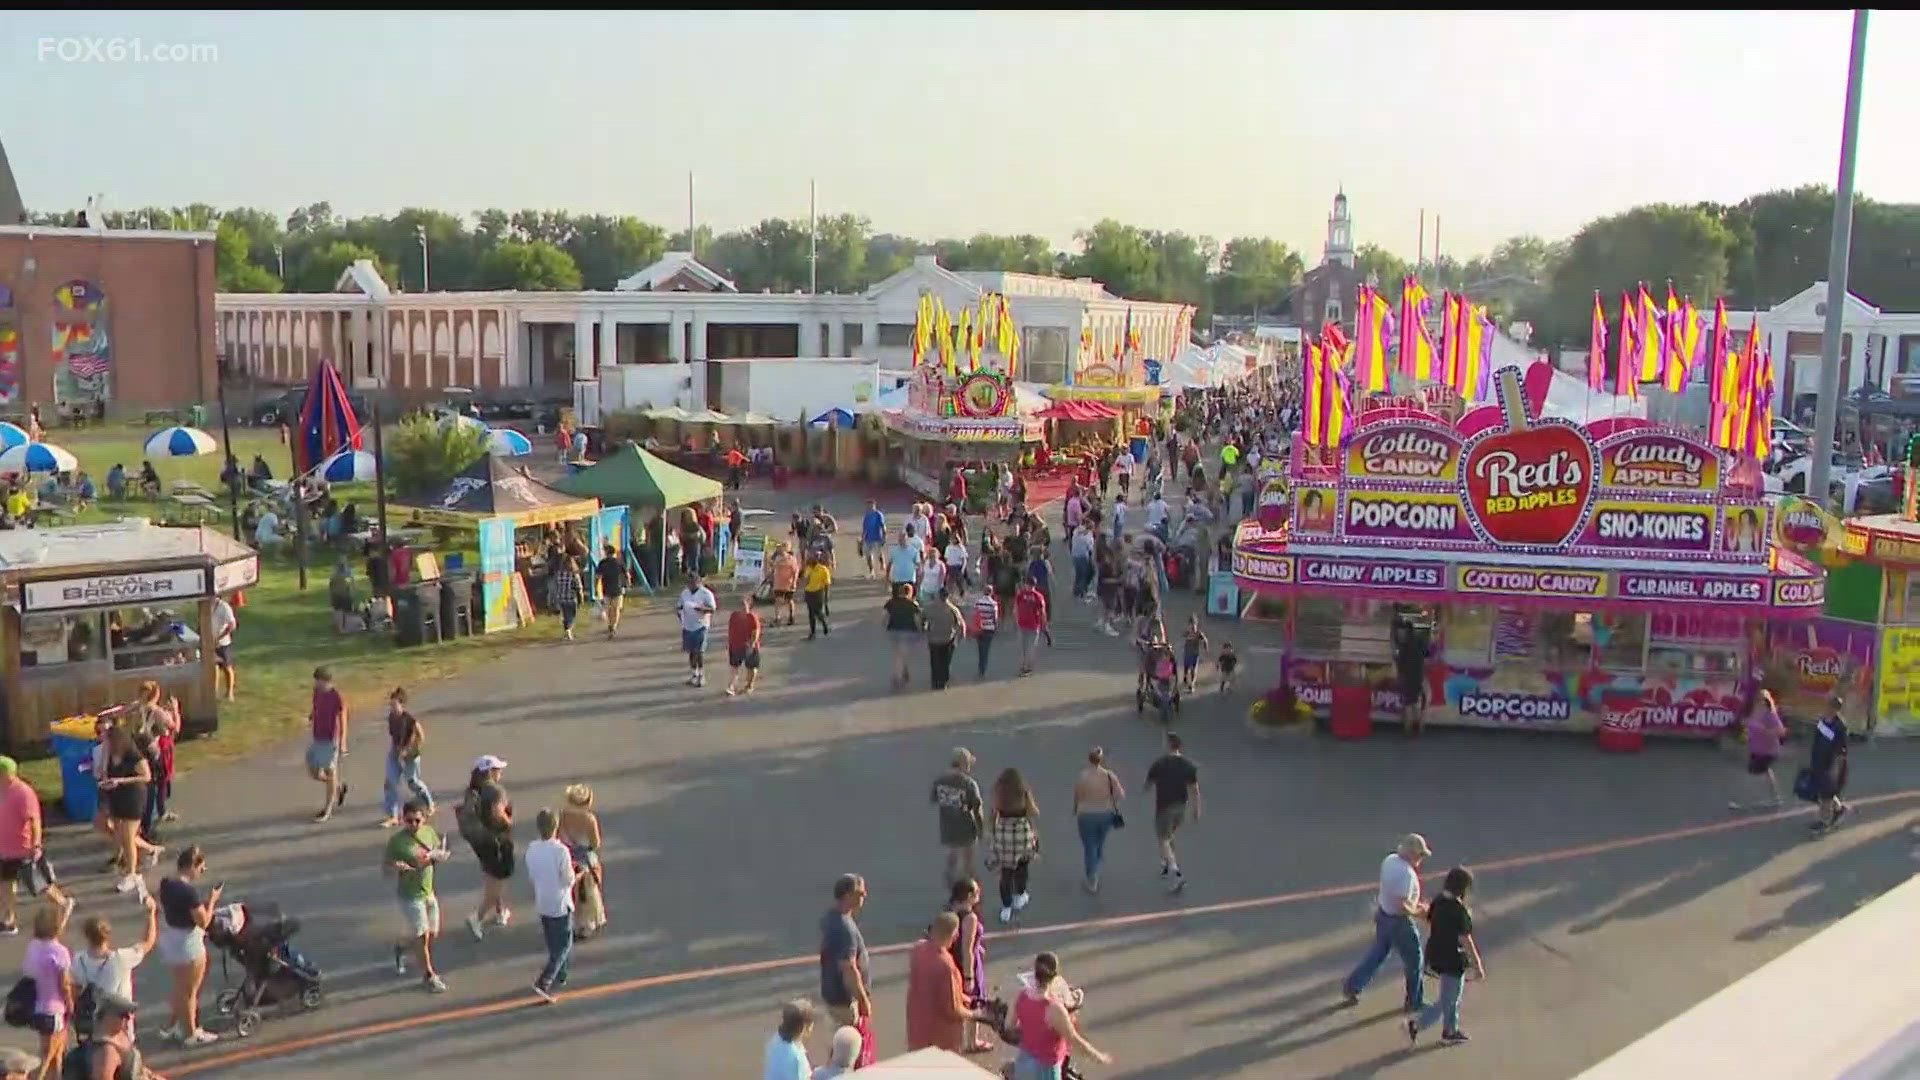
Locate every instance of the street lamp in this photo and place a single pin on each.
(1827, 406)
(421, 232)
(280, 257)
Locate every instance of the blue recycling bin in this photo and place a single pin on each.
(1137, 446)
(77, 793)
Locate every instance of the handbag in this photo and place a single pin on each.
(868, 1052)
(1803, 785)
(18, 1011)
(1119, 819)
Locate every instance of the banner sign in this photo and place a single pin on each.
(1526, 581)
(1897, 689)
(1412, 515)
(1263, 569)
(1374, 573)
(1800, 592)
(143, 588)
(1645, 526)
(1660, 461)
(1313, 511)
(1409, 451)
(1692, 588)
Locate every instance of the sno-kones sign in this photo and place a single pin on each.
(1544, 487)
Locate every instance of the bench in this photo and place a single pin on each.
(154, 416)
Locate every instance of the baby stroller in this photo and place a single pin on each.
(259, 939)
(1159, 682)
(1000, 1017)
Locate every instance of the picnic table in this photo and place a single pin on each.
(194, 509)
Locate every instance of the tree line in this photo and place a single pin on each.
(1755, 253)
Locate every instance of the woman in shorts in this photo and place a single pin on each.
(904, 624)
(50, 965)
(486, 823)
(125, 788)
(580, 831)
(182, 943)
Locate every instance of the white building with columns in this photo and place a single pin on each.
(677, 315)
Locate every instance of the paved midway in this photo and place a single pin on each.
(1614, 891)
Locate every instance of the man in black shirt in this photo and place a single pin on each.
(1828, 767)
(612, 573)
(1412, 639)
(1175, 784)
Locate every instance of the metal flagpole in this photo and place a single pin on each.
(1827, 406)
(226, 440)
(813, 243)
(1420, 248)
(379, 473)
(693, 238)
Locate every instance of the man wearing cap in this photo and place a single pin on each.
(22, 860)
(111, 1052)
(1394, 930)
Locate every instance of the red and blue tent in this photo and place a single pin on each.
(327, 424)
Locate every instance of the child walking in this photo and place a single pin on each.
(1227, 661)
(1192, 649)
(1451, 954)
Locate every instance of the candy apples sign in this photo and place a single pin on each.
(1527, 485)
(1659, 461)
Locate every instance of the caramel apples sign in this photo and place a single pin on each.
(1527, 484)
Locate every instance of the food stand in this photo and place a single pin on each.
(1876, 593)
(1124, 388)
(93, 611)
(963, 418)
(1615, 576)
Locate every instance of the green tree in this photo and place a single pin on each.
(1182, 264)
(424, 453)
(263, 229)
(1651, 244)
(1256, 275)
(1024, 253)
(1383, 268)
(232, 270)
(535, 266)
(698, 243)
(313, 218)
(607, 249)
(319, 267)
(1121, 257)
(1781, 241)
(888, 254)
(843, 253)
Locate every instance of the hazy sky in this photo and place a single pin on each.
(947, 124)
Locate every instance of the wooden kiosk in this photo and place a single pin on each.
(92, 611)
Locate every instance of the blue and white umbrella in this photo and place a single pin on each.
(13, 435)
(506, 442)
(36, 457)
(180, 442)
(347, 467)
(460, 419)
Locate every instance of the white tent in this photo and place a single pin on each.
(925, 1065)
(1193, 367)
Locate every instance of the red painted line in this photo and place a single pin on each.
(284, 1047)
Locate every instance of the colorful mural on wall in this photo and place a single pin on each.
(82, 354)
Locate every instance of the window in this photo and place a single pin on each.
(1043, 354)
(896, 335)
(52, 640)
(855, 335)
(1467, 638)
(1352, 630)
(147, 637)
(1619, 641)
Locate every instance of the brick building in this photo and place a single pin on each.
(1327, 293)
(123, 316)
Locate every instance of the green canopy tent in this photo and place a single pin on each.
(630, 475)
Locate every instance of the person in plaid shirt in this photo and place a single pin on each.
(1015, 839)
(563, 592)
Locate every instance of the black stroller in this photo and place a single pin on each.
(273, 973)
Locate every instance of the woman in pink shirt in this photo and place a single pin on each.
(1764, 731)
(1046, 1024)
(49, 964)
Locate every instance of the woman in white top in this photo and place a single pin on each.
(933, 577)
(107, 969)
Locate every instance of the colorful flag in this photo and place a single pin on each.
(1373, 322)
(1419, 359)
(1683, 342)
(1597, 347)
(943, 334)
(1760, 442)
(1628, 361)
(1326, 389)
(1475, 354)
(1653, 339)
(1714, 367)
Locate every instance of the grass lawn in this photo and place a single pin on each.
(284, 633)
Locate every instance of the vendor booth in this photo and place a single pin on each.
(958, 419)
(1837, 653)
(630, 477)
(1123, 387)
(1876, 593)
(498, 501)
(1521, 572)
(93, 611)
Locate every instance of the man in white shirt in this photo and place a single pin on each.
(1157, 515)
(223, 624)
(1394, 930)
(956, 554)
(1123, 470)
(933, 578)
(1119, 515)
(1082, 547)
(695, 608)
(550, 869)
(903, 558)
(266, 530)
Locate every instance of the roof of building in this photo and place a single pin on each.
(131, 541)
(1012, 283)
(102, 233)
(671, 265)
(364, 278)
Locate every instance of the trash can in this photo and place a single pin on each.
(197, 416)
(456, 605)
(73, 744)
(407, 629)
(1137, 446)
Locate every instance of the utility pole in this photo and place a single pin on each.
(693, 237)
(813, 243)
(1827, 406)
(421, 232)
(1420, 247)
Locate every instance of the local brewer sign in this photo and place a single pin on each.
(111, 590)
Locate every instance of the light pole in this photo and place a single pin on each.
(280, 258)
(1827, 406)
(421, 232)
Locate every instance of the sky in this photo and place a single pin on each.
(947, 124)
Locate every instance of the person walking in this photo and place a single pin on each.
(23, 858)
(956, 797)
(1451, 954)
(49, 965)
(1096, 810)
(563, 592)
(783, 572)
(1031, 615)
(410, 856)
(614, 579)
(695, 606)
(873, 538)
(327, 722)
(1192, 647)
(937, 1005)
(1827, 767)
(1764, 731)
(945, 626)
(1394, 930)
(743, 646)
(1081, 546)
(970, 955)
(223, 627)
(816, 579)
(580, 831)
(1047, 1028)
(105, 969)
(843, 1054)
(903, 620)
(1175, 783)
(1117, 517)
(986, 620)
(405, 736)
(958, 581)
(1015, 839)
(125, 787)
(485, 819)
(551, 871)
(785, 1056)
(182, 943)
(844, 977)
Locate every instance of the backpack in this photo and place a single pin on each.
(467, 816)
(85, 1008)
(20, 1004)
